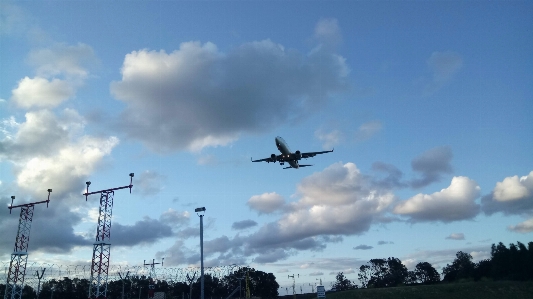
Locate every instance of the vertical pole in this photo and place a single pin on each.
(200, 212)
(202, 256)
(39, 277)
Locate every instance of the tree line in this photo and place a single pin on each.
(260, 284)
(513, 263)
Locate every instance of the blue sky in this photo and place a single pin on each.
(427, 104)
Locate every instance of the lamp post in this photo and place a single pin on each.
(200, 212)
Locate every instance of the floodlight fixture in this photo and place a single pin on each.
(202, 209)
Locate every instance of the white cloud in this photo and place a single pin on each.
(456, 236)
(41, 92)
(92, 215)
(329, 139)
(8, 127)
(174, 217)
(328, 33)
(266, 203)
(207, 160)
(149, 183)
(514, 188)
(45, 148)
(455, 203)
(336, 201)
(410, 263)
(367, 130)
(523, 227)
(197, 96)
(513, 195)
(60, 71)
(480, 255)
(444, 65)
(62, 59)
(77, 160)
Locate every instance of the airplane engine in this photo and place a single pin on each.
(298, 155)
(273, 157)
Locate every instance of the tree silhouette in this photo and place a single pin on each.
(364, 275)
(461, 268)
(383, 273)
(425, 273)
(342, 283)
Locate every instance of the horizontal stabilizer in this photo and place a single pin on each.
(298, 166)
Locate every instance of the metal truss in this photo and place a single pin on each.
(19, 257)
(102, 246)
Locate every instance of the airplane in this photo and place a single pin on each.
(288, 156)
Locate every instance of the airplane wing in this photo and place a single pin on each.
(270, 159)
(312, 154)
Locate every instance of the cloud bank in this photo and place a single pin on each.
(198, 96)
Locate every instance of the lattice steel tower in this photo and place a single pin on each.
(102, 247)
(19, 257)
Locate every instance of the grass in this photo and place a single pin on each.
(470, 290)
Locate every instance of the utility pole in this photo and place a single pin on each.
(240, 288)
(39, 277)
(191, 280)
(19, 257)
(102, 247)
(123, 278)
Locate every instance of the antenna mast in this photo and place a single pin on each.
(102, 247)
(19, 257)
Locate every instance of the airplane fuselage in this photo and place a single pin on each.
(288, 156)
(283, 147)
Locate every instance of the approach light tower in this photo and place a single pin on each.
(102, 247)
(152, 267)
(19, 257)
(151, 278)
